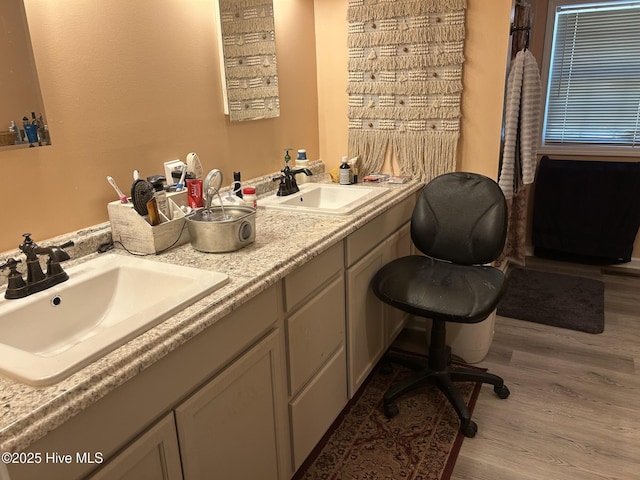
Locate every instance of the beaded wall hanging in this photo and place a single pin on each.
(405, 83)
(248, 43)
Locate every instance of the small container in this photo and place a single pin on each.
(154, 214)
(249, 196)
(13, 128)
(302, 162)
(345, 172)
(160, 195)
(353, 163)
(194, 192)
(32, 133)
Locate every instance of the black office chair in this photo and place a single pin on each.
(459, 223)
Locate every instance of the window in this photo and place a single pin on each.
(593, 77)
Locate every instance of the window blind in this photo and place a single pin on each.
(593, 92)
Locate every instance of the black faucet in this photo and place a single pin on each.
(287, 177)
(37, 280)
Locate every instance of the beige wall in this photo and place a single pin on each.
(19, 93)
(484, 73)
(133, 84)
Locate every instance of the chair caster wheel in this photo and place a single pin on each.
(470, 429)
(502, 391)
(390, 410)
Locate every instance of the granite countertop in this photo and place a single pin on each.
(284, 242)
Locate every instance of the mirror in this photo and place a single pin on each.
(20, 97)
(249, 53)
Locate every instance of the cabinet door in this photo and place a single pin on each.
(316, 407)
(154, 456)
(232, 428)
(365, 317)
(399, 246)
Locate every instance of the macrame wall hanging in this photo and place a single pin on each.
(405, 83)
(249, 49)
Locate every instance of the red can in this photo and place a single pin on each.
(194, 192)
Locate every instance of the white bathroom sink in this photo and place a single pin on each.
(106, 302)
(324, 198)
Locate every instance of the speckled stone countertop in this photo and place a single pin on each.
(284, 242)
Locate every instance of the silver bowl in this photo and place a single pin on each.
(217, 230)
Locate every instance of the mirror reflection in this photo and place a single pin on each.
(22, 119)
(249, 51)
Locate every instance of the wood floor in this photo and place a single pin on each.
(574, 409)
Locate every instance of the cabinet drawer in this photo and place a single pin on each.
(364, 239)
(308, 278)
(399, 246)
(317, 406)
(314, 332)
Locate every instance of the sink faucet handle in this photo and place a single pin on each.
(68, 244)
(15, 283)
(56, 252)
(11, 264)
(28, 247)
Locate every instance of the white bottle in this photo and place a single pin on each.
(345, 172)
(302, 162)
(14, 128)
(249, 197)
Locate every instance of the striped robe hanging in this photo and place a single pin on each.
(522, 123)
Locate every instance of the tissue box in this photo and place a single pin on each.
(138, 236)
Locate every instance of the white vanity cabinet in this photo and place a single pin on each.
(234, 366)
(231, 427)
(314, 307)
(251, 395)
(372, 325)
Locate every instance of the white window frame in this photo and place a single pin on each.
(570, 149)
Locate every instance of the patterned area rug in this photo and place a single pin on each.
(421, 442)
(555, 299)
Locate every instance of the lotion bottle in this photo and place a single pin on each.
(345, 172)
(302, 162)
(160, 196)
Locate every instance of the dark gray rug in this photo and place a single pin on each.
(565, 301)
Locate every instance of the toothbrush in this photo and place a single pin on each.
(180, 184)
(123, 197)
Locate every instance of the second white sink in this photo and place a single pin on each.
(106, 302)
(325, 199)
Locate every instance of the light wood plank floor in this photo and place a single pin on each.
(574, 409)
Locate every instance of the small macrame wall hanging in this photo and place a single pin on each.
(249, 49)
(405, 83)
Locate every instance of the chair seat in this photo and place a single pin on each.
(439, 290)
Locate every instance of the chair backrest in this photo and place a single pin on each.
(460, 217)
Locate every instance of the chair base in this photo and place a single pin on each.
(444, 379)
